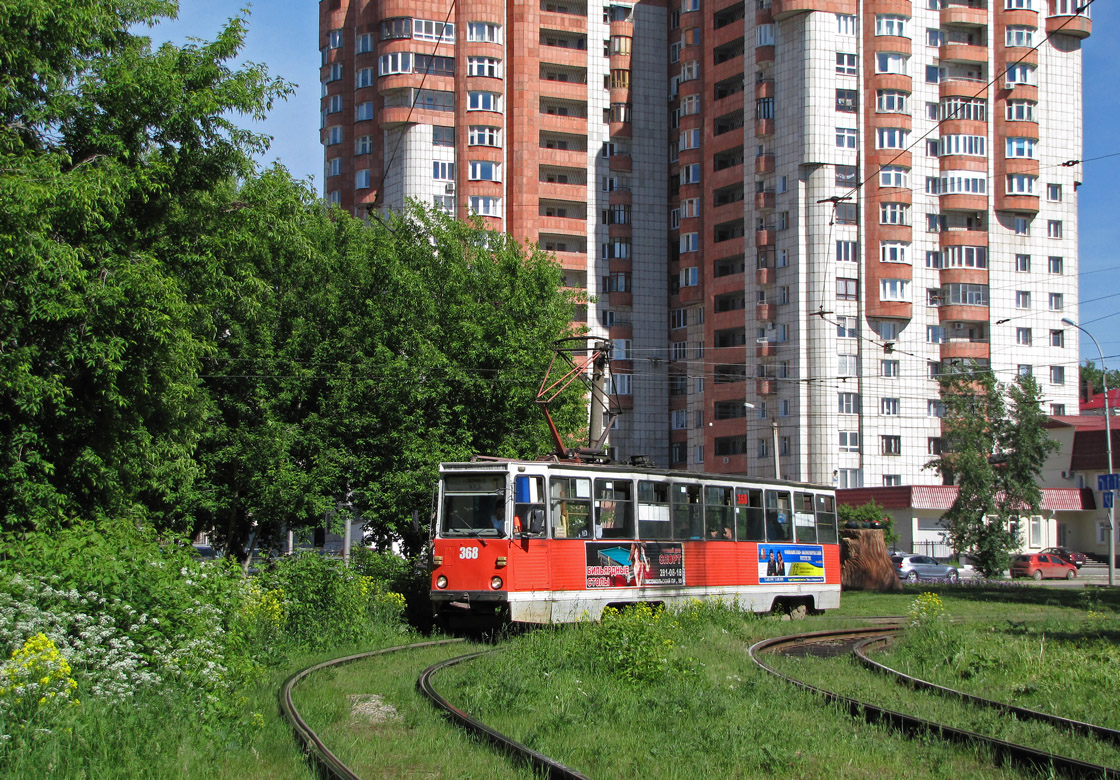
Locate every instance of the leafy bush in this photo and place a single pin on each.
(636, 642)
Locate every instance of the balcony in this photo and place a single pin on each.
(764, 163)
(1075, 26)
(766, 349)
(764, 199)
(764, 277)
(765, 237)
(969, 13)
(766, 312)
(766, 386)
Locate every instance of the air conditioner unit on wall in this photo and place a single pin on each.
(449, 188)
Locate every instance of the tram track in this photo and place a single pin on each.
(857, 640)
(331, 766)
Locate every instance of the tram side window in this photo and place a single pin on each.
(653, 511)
(571, 507)
(804, 518)
(614, 515)
(826, 519)
(528, 506)
(688, 517)
(778, 521)
(749, 517)
(718, 513)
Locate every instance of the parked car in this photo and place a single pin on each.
(1078, 559)
(915, 567)
(1041, 565)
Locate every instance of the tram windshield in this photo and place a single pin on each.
(474, 505)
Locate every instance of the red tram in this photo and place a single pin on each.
(555, 542)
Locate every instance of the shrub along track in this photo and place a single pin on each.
(839, 642)
(330, 766)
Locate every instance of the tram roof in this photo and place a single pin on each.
(503, 464)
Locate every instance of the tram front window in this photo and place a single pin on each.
(474, 506)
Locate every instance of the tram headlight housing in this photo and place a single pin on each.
(441, 581)
(495, 582)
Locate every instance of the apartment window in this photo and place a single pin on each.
(847, 176)
(483, 170)
(975, 109)
(1057, 338)
(335, 72)
(444, 203)
(894, 251)
(932, 145)
(889, 368)
(1020, 74)
(849, 441)
(844, 213)
(622, 384)
(364, 43)
(620, 349)
(935, 408)
(764, 35)
(933, 369)
(888, 24)
(1023, 337)
(334, 166)
(934, 37)
(933, 296)
(690, 207)
(1020, 184)
(442, 136)
(690, 104)
(690, 70)
(891, 445)
(334, 39)
(887, 329)
(963, 183)
(481, 135)
(846, 24)
(484, 101)
(846, 289)
(1055, 265)
(849, 478)
(890, 138)
(484, 32)
(1020, 110)
(1057, 301)
(678, 318)
(1020, 36)
(764, 108)
(690, 242)
(889, 101)
(334, 104)
(890, 62)
(892, 480)
(1054, 193)
(847, 365)
(889, 406)
(936, 334)
(846, 252)
(364, 78)
(1023, 263)
(894, 213)
(690, 277)
(965, 257)
(361, 179)
(678, 419)
(933, 259)
(690, 174)
(690, 139)
(398, 62)
(846, 327)
(1021, 148)
(933, 445)
(894, 290)
(334, 135)
(1019, 5)
(848, 403)
(363, 111)
(894, 176)
(935, 223)
(486, 206)
(1057, 410)
(967, 145)
(846, 100)
(443, 171)
(1057, 375)
(1022, 299)
(1022, 226)
(1054, 228)
(783, 408)
(484, 66)
(846, 64)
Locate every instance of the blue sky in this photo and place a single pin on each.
(283, 34)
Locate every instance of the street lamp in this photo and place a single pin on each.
(774, 444)
(1108, 448)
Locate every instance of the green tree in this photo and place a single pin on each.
(994, 455)
(1094, 376)
(105, 146)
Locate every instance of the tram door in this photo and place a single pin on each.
(528, 549)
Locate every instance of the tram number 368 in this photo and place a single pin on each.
(468, 553)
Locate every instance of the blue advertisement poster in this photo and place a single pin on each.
(790, 563)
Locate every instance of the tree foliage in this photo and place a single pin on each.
(993, 453)
(189, 342)
(869, 513)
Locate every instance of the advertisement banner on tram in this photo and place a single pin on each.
(634, 564)
(790, 563)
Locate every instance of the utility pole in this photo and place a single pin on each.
(777, 459)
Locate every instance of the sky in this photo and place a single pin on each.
(283, 34)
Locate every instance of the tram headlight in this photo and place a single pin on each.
(495, 583)
(441, 581)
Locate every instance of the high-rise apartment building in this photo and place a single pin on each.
(791, 215)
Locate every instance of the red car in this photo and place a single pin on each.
(1078, 559)
(1041, 565)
